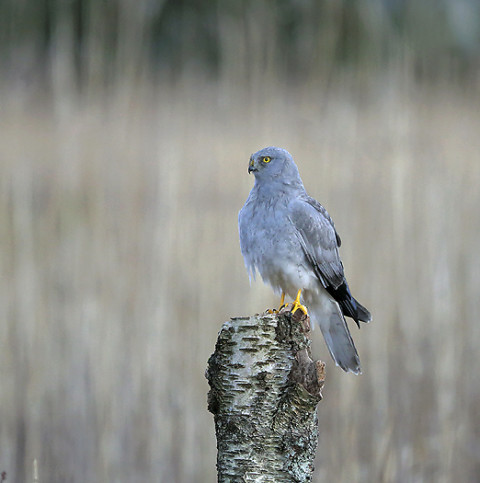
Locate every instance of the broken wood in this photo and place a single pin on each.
(264, 389)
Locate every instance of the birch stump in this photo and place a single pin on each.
(264, 389)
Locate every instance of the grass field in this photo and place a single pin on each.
(120, 260)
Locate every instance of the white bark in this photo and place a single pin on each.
(264, 392)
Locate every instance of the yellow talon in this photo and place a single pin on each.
(282, 303)
(297, 305)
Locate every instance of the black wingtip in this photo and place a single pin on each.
(363, 314)
(349, 305)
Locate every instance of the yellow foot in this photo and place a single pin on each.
(298, 306)
(282, 303)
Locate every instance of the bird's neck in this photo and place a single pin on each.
(278, 188)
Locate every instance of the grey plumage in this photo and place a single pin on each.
(290, 239)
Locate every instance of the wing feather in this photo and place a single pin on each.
(319, 239)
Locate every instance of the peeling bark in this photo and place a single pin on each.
(264, 389)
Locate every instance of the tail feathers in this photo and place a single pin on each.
(338, 339)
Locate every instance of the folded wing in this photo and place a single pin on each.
(320, 242)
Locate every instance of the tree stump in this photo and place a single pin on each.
(264, 389)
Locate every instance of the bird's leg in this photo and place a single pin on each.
(282, 303)
(297, 305)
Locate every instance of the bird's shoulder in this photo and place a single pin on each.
(307, 208)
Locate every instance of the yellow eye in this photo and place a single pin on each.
(267, 159)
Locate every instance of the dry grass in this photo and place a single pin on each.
(120, 261)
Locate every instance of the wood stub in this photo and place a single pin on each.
(264, 389)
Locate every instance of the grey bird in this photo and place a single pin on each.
(290, 239)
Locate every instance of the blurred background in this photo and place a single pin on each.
(125, 133)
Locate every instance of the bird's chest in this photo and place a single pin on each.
(272, 247)
(268, 231)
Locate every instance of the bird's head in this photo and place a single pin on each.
(270, 164)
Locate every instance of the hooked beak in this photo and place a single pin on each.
(251, 166)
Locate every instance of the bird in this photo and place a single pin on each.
(290, 239)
